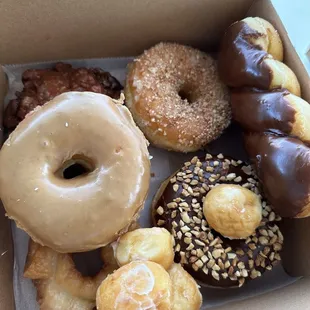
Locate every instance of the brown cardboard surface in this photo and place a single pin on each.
(6, 263)
(295, 257)
(62, 29)
(6, 249)
(66, 29)
(293, 297)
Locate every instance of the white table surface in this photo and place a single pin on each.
(295, 15)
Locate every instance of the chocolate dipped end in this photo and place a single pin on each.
(283, 167)
(263, 110)
(209, 257)
(240, 61)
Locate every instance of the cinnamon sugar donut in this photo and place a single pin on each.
(176, 98)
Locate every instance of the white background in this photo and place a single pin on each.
(295, 15)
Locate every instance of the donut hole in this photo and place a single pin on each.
(185, 95)
(76, 166)
(88, 264)
(74, 171)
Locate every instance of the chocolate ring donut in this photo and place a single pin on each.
(209, 257)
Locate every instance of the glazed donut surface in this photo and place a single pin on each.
(185, 291)
(175, 96)
(152, 244)
(232, 210)
(204, 253)
(90, 210)
(137, 285)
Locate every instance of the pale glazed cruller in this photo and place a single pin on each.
(59, 283)
(88, 211)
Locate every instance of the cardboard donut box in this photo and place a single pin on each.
(65, 29)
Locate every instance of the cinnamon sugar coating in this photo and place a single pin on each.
(176, 97)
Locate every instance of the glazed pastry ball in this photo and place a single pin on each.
(152, 244)
(185, 291)
(137, 285)
(232, 210)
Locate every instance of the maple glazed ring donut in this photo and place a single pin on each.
(211, 258)
(176, 97)
(88, 211)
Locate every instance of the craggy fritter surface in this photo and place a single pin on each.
(42, 85)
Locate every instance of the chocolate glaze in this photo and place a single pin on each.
(263, 110)
(240, 61)
(169, 195)
(283, 167)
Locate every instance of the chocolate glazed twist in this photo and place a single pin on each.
(276, 120)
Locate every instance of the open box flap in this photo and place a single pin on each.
(39, 30)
